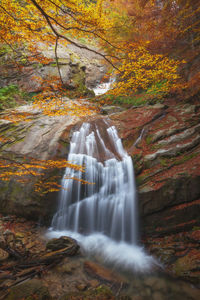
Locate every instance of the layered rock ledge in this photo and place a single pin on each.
(164, 142)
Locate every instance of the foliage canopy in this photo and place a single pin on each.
(141, 40)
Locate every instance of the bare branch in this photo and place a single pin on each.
(57, 34)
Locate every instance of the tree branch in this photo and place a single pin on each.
(57, 34)
(57, 62)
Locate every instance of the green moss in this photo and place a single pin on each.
(64, 143)
(99, 293)
(195, 228)
(136, 158)
(127, 143)
(164, 162)
(128, 100)
(10, 95)
(155, 147)
(148, 164)
(149, 139)
(30, 290)
(140, 180)
(53, 65)
(185, 158)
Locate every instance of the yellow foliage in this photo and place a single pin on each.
(140, 70)
(29, 168)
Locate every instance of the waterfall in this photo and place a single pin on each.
(101, 215)
(107, 204)
(103, 87)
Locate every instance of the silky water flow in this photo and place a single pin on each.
(101, 215)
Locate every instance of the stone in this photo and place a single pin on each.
(102, 292)
(98, 271)
(181, 136)
(110, 109)
(68, 266)
(30, 290)
(60, 243)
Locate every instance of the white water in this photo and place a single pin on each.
(102, 88)
(119, 254)
(101, 216)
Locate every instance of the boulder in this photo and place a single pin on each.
(60, 243)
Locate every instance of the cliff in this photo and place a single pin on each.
(164, 142)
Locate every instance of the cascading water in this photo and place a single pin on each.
(101, 215)
(108, 204)
(102, 88)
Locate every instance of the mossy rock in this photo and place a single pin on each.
(100, 293)
(30, 290)
(60, 243)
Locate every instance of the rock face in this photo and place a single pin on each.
(79, 69)
(164, 142)
(40, 138)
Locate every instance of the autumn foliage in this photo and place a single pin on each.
(149, 45)
(166, 29)
(127, 31)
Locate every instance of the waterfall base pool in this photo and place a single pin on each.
(117, 254)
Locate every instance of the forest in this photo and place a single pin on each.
(99, 149)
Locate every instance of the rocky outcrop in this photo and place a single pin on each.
(80, 69)
(36, 136)
(164, 142)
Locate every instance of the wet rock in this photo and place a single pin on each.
(69, 266)
(98, 271)
(60, 243)
(110, 109)
(30, 290)
(100, 293)
(166, 255)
